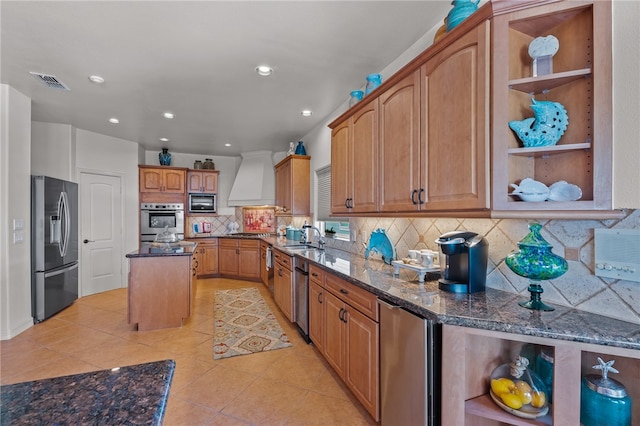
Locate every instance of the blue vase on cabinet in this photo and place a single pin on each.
(300, 149)
(164, 157)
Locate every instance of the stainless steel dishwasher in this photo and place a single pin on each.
(409, 368)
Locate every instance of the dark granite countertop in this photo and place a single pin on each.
(490, 310)
(133, 395)
(182, 248)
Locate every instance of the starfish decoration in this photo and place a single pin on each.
(605, 367)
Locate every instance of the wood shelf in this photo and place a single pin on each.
(540, 84)
(483, 406)
(548, 150)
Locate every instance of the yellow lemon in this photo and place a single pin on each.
(503, 385)
(538, 399)
(511, 400)
(523, 390)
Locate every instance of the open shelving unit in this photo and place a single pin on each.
(580, 81)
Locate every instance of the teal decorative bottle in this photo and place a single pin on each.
(300, 149)
(164, 157)
(461, 11)
(534, 260)
(373, 81)
(604, 401)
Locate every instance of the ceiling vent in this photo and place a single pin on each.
(50, 81)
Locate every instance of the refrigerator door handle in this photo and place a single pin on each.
(61, 271)
(66, 223)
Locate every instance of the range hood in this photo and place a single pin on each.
(255, 183)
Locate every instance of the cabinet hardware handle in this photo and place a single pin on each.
(413, 196)
(280, 272)
(343, 318)
(420, 200)
(340, 313)
(313, 274)
(343, 291)
(320, 297)
(346, 202)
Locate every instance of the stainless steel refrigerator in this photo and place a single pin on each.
(54, 245)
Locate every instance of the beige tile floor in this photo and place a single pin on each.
(290, 386)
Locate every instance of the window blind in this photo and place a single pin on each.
(323, 177)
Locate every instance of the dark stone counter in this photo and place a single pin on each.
(182, 248)
(133, 395)
(490, 310)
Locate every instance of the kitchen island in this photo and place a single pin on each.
(161, 285)
(134, 394)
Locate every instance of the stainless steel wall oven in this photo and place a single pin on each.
(155, 217)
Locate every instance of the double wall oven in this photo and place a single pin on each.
(155, 217)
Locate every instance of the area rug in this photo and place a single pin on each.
(244, 324)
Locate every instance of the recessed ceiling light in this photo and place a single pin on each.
(96, 79)
(168, 115)
(227, 144)
(114, 120)
(306, 113)
(164, 139)
(264, 70)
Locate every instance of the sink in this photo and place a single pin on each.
(300, 247)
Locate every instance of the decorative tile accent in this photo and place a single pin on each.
(578, 288)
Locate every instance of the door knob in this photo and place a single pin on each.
(88, 241)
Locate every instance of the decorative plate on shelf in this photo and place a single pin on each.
(526, 411)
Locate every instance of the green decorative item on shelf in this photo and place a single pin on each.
(534, 260)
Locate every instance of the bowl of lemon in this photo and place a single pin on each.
(518, 390)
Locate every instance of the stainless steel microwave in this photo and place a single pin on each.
(202, 203)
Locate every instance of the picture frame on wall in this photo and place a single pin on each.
(259, 220)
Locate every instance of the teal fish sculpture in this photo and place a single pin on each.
(549, 123)
(379, 242)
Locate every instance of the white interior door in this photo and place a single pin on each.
(101, 233)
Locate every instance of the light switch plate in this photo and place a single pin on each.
(18, 224)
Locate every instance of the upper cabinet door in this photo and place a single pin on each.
(455, 125)
(174, 181)
(341, 171)
(364, 159)
(399, 153)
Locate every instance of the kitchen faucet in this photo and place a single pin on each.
(321, 240)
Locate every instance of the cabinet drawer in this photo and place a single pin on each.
(285, 260)
(316, 275)
(359, 298)
(249, 244)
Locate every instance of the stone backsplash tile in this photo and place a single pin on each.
(578, 288)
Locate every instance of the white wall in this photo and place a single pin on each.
(626, 104)
(15, 200)
(100, 153)
(53, 150)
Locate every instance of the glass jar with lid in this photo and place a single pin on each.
(604, 401)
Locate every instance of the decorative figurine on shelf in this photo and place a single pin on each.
(379, 242)
(292, 149)
(356, 96)
(165, 157)
(541, 50)
(461, 11)
(373, 81)
(534, 260)
(546, 127)
(300, 149)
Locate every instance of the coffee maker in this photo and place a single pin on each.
(463, 262)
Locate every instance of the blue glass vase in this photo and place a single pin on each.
(534, 260)
(164, 157)
(461, 11)
(603, 400)
(300, 149)
(373, 81)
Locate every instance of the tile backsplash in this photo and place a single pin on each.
(572, 239)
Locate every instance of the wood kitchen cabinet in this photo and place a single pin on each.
(581, 81)
(293, 186)
(354, 162)
(160, 291)
(316, 307)
(472, 354)
(239, 258)
(204, 182)
(345, 320)
(283, 283)
(207, 258)
(266, 275)
(170, 180)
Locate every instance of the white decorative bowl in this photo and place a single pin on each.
(563, 191)
(531, 198)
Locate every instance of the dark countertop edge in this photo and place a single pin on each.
(617, 341)
(144, 247)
